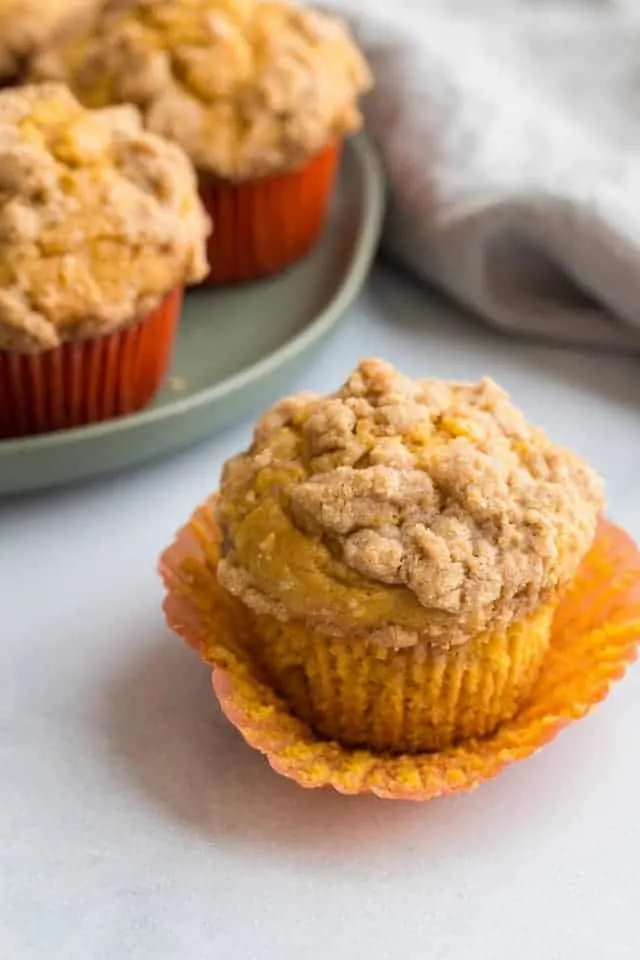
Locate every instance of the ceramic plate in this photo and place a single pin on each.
(235, 349)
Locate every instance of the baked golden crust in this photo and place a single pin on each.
(411, 509)
(247, 88)
(27, 26)
(99, 220)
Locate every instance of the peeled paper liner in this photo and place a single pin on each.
(595, 636)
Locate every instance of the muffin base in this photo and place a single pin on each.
(89, 380)
(595, 635)
(363, 695)
(261, 227)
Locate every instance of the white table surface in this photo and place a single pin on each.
(135, 823)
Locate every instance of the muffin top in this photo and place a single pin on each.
(405, 509)
(99, 220)
(27, 26)
(247, 88)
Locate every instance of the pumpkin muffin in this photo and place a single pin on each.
(100, 228)
(29, 26)
(260, 96)
(399, 549)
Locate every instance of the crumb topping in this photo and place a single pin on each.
(99, 220)
(247, 88)
(409, 508)
(27, 26)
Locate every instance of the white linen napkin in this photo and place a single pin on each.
(510, 130)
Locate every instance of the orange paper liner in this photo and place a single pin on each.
(90, 380)
(260, 227)
(595, 636)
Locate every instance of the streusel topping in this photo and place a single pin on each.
(99, 220)
(414, 509)
(247, 88)
(28, 26)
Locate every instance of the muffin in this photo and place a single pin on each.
(260, 96)
(100, 228)
(398, 550)
(28, 26)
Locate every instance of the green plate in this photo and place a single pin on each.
(235, 348)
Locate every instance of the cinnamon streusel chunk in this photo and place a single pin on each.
(27, 27)
(406, 509)
(247, 88)
(99, 219)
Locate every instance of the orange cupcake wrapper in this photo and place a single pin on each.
(261, 227)
(595, 636)
(90, 380)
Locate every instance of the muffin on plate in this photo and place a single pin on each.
(100, 228)
(29, 26)
(260, 95)
(399, 549)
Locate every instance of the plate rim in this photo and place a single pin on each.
(374, 191)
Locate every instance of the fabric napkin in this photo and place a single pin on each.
(510, 130)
